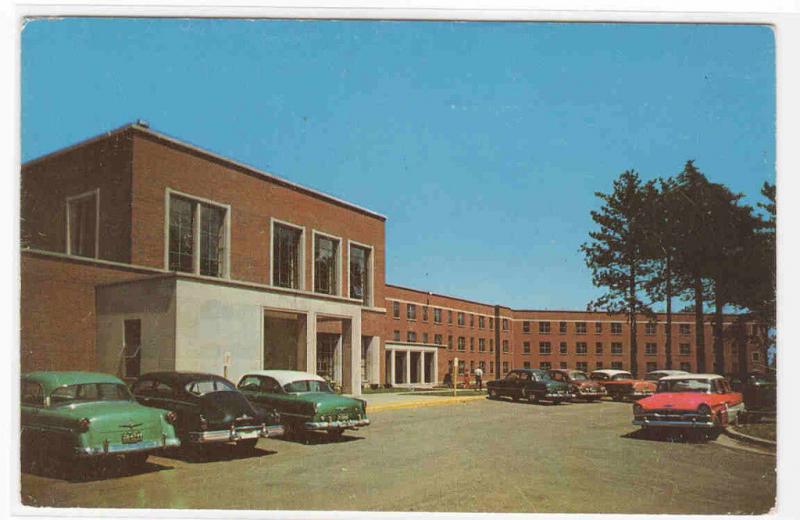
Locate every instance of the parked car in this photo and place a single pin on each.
(532, 384)
(305, 401)
(70, 415)
(759, 392)
(209, 409)
(621, 385)
(703, 402)
(580, 386)
(655, 375)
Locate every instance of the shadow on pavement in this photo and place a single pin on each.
(672, 435)
(526, 402)
(90, 470)
(315, 438)
(225, 452)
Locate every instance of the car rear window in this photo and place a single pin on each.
(206, 386)
(89, 392)
(307, 386)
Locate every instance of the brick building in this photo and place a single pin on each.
(142, 252)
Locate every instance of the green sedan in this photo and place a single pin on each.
(304, 401)
(68, 416)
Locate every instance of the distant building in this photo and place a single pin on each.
(142, 253)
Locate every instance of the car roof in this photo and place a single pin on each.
(669, 372)
(691, 376)
(180, 378)
(284, 377)
(610, 372)
(50, 380)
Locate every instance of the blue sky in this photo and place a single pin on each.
(483, 143)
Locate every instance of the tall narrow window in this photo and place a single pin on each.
(133, 352)
(287, 259)
(360, 274)
(326, 265)
(82, 225)
(197, 241)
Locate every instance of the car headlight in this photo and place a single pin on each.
(704, 409)
(638, 409)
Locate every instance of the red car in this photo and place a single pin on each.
(691, 401)
(621, 385)
(580, 386)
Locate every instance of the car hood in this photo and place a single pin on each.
(674, 400)
(108, 416)
(327, 402)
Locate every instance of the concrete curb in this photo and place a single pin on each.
(739, 436)
(423, 404)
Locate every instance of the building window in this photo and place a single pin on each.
(482, 365)
(361, 273)
(582, 366)
(650, 349)
(411, 312)
(650, 329)
(397, 335)
(481, 322)
(684, 349)
(472, 344)
(461, 365)
(616, 328)
(598, 365)
(460, 318)
(437, 338)
(598, 347)
(491, 323)
(562, 364)
(526, 327)
(472, 366)
(544, 327)
(462, 344)
(580, 327)
(562, 347)
(580, 348)
(562, 327)
(684, 329)
(83, 215)
(491, 366)
(598, 327)
(472, 320)
(491, 344)
(287, 256)
(505, 367)
(526, 347)
(437, 315)
(526, 364)
(544, 347)
(425, 313)
(411, 336)
(449, 342)
(505, 345)
(616, 348)
(616, 365)
(545, 365)
(197, 237)
(505, 324)
(756, 356)
(425, 337)
(481, 345)
(326, 264)
(396, 310)
(686, 367)
(650, 366)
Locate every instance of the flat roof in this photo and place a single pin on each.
(146, 130)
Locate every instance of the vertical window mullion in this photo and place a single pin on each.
(196, 238)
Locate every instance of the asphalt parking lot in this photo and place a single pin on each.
(478, 456)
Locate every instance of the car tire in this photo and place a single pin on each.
(523, 394)
(534, 398)
(492, 393)
(617, 397)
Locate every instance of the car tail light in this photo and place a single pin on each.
(203, 423)
(83, 424)
(171, 417)
(637, 409)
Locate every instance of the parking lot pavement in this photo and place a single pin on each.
(476, 456)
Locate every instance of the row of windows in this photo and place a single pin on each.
(411, 337)
(581, 347)
(461, 317)
(615, 365)
(650, 329)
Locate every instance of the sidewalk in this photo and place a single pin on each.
(395, 401)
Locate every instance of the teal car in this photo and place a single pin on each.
(67, 416)
(304, 401)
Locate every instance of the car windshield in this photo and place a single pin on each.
(619, 377)
(653, 376)
(684, 385)
(206, 386)
(578, 376)
(307, 385)
(89, 392)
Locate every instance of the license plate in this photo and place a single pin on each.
(131, 437)
(344, 417)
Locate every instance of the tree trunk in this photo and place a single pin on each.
(741, 344)
(668, 346)
(699, 326)
(632, 320)
(719, 354)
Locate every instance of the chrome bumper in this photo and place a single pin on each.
(236, 434)
(336, 425)
(120, 449)
(638, 395)
(557, 397)
(706, 423)
(592, 395)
